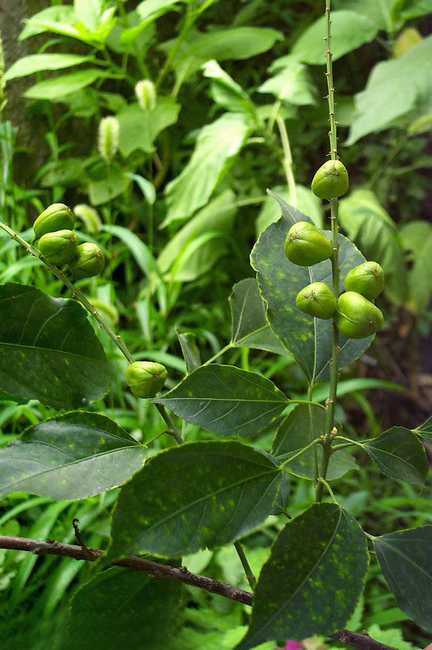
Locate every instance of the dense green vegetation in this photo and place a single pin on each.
(164, 124)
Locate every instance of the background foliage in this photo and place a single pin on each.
(177, 211)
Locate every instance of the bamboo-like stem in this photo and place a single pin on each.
(331, 402)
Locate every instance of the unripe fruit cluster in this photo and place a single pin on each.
(59, 244)
(355, 314)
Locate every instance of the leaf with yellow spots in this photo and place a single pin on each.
(119, 608)
(313, 579)
(73, 456)
(226, 400)
(48, 350)
(406, 561)
(199, 495)
(309, 339)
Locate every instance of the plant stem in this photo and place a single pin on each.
(116, 338)
(165, 572)
(246, 566)
(287, 160)
(331, 402)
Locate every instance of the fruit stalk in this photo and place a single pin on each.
(334, 204)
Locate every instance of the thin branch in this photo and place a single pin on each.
(166, 572)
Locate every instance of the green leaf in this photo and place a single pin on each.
(73, 456)
(140, 250)
(426, 428)
(249, 325)
(198, 495)
(416, 240)
(406, 79)
(406, 562)
(201, 242)
(89, 12)
(379, 13)
(57, 88)
(150, 10)
(350, 30)
(111, 182)
(217, 145)
(280, 280)
(40, 22)
(221, 44)
(228, 93)
(307, 203)
(49, 350)
(400, 455)
(291, 82)
(119, 607)
(375, 233)
(303, 425)
(190, 350)
(139, 129)
(226, 400)
(318, 562)
(41, 62)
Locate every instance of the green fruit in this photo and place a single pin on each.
(305, 245)
(357, 317)
(90, 261)
(367, 279)
(146, 378)
(317, 299)
(59, 247)
(56, 217)
(331, 180)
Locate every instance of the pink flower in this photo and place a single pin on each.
(293, 645)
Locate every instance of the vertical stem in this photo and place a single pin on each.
(287, 160)
(331, 402)
(246, 566)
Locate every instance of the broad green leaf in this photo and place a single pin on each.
(227, 92)
(41, 62)
(49, 350)
(406, 80)
(221, 45)
(111, 181)
(309, 339)
(89, 12)
(73, 456)
(307, 203)
(152, 9)
(416, 240)
(217, 145)
(40, 22)
(375, 233)
(199, 495)
(319, 563)
(400, 455)
(201, 242)
(303, 425)
(249, 325)
(139, 129)
(291, 82)
(406, 562)
(226, 400)
(122, 608)
(58, 87)
(379, 13)
(407, 9)
(350, 30)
